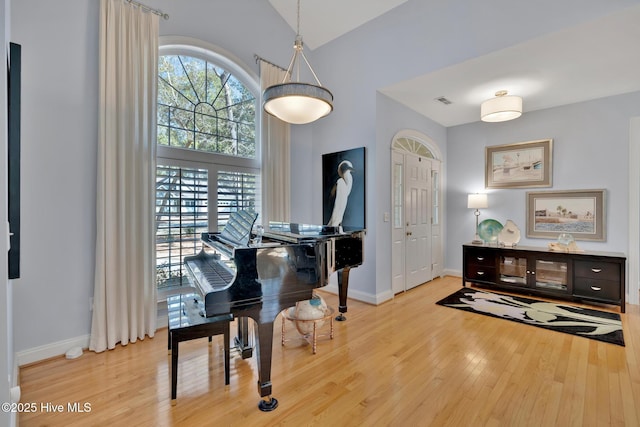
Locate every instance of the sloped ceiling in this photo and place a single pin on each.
(593, 60)
(324, 20)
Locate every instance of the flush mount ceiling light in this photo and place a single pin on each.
(501, 108)
(296, 102)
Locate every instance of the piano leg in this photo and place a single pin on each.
(343, 285)
(263, 359)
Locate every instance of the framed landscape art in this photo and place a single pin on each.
(519, 165)
(580, 213)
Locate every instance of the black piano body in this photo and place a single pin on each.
(258, 281)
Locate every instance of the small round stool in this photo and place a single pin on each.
(312, 336)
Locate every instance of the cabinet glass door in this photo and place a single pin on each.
(551, 275)
(513, 270)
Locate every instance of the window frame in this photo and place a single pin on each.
(212, 171)
(211, 161)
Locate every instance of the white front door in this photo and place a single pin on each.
(417, 203)
(416, 218)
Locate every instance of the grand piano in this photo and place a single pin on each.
(249, 279)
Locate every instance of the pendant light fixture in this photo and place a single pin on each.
(295, 102)
(501, 108)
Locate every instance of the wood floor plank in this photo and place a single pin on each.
(405, 362)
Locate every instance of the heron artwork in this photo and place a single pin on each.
(340, 192)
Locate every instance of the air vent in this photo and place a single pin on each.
(444, 100)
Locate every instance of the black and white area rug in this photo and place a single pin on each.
(594, 324)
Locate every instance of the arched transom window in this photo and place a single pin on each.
(413, 146)
(204, 107)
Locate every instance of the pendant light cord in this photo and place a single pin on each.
(294, 64)
(298, 27)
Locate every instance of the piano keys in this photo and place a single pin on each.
(259, 281)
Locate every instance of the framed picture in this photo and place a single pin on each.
(580, 213)
(343, 189)
(13, 154)
(520, 165)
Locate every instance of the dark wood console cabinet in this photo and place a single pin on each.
(589, 276)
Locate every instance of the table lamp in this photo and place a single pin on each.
(477, 201)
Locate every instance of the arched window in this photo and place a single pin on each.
(413, 142)
(203, 107)
(208, 149)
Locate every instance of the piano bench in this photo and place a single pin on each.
(186, 323)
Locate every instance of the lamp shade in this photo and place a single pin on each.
(501, 108)
(297, 103)
(477, 201)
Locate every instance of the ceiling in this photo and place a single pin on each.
(324, 20)
(593, 60)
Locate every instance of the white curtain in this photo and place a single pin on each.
(276, 164)
(125, 291)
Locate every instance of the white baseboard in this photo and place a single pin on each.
(455, 273)
(376, 299)
(47, 351)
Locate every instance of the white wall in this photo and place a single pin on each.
(59, 131)
(590, 151)
(391, 118)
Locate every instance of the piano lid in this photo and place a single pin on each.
(296, 233)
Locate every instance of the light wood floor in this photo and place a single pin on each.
(407, 362)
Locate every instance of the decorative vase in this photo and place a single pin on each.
(510, 234)
(565, 239)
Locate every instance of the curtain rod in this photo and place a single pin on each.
(259, 58)
(158, 12)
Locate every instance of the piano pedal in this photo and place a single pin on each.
(268, 404)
